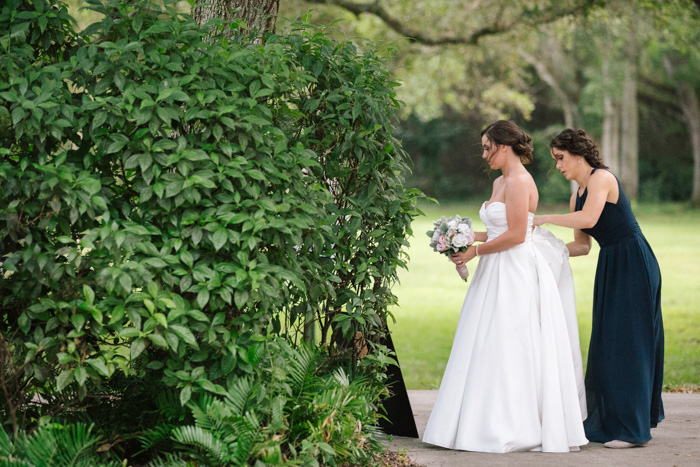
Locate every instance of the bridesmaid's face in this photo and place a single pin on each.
(566, 163)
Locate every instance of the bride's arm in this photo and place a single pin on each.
(517, 203)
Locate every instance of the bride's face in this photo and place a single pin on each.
(490, 152)
(566, 163)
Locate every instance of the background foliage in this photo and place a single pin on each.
(464, 64)
(170, 203)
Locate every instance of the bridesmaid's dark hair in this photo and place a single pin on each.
(578, 143)
(508, 133)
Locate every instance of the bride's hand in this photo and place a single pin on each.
(463, 257)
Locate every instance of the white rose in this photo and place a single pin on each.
(452, 225)
(460, 240)
(464, 229)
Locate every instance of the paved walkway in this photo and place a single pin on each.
(676, 442)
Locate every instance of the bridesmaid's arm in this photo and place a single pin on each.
(599, 189)
(582, 241)
(581, 245)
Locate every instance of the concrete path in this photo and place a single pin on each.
(676, 442)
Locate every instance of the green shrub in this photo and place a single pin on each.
(294, 409)
(167, 201)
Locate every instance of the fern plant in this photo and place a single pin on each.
(54, 444)
(292, 410)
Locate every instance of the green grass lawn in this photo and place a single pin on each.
(430, 293)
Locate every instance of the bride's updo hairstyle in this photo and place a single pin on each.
(578, 143)
(504, 132)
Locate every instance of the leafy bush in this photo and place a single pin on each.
(166, 201)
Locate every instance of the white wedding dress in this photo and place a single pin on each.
(514, 379)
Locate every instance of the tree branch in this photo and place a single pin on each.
(570, 115)
(528, 18)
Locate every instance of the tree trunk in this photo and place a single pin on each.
(629, 143)
(258, 15)
(610, 143)
(688, 100)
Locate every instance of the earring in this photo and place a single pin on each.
(579, 161)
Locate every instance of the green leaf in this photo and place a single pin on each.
(153, 289)
(125, 282)
(89, 294)
(24, 322)
(208, 385)
(167, 114)
(18, 113)
(117, 314)
(241, 298)
(137, 347)
(158, 340)
(186, 258)
(255, 174)
(115, 146)
(162, 320)
(184, 334)
(64, 379)
(219, 238)
(156, 262)
(228, 363)
(202, 298)
(185, 395)
(172, 340)
(198, 315)
(257, 120)
(91, 185)
(43, 21)
(129, 332)
(78, 321)
(99, 366)
(80, 375)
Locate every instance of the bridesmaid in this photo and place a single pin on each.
(625, 359)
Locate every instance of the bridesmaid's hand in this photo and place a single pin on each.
(539, 220)
(463, 257)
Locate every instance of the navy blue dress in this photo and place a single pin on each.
(624, 374)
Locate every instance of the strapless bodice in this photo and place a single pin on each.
(494, 218)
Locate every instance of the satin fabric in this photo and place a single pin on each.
(514, 378)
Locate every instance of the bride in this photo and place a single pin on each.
(514, 379)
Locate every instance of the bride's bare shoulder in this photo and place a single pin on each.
(520, 179)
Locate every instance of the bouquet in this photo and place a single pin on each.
(450, 235)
